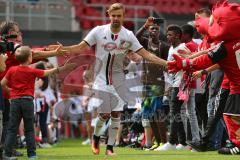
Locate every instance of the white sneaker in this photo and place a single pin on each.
(87, 142)
(182, 147)
(45, 145)
(166, 147)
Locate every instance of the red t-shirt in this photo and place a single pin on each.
(10, 62)
(193, 47)
(225, 82)
(21, 80)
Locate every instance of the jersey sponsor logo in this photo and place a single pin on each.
(123, 46)
(110, 46)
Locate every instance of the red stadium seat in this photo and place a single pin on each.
(98, 23)
(142, 13)
(86, 24)
(162, 6)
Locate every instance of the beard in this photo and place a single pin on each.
(116, 25)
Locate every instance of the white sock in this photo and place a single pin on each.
(98, 126)
(112, 130)
(22, 138)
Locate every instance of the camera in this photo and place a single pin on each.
(158, 20)
(6, 46)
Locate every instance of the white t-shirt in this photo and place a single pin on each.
(49, 95)
(175, 79)
(110, 52)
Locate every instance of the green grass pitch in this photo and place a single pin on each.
(72, 149)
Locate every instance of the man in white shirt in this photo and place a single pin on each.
(177, 133)
(113, 42)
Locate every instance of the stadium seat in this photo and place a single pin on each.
(161, 6)
(98, 23)
(86, 24)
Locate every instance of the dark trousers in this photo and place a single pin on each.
(6, 111)
(201, 100)
(177, 133)
(213, 121)
(43, 123)
(21, 108)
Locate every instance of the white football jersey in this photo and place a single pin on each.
(110, 51)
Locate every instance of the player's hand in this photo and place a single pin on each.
(61, 51)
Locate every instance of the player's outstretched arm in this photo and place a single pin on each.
(49, 53)
(151, 57)
(76, 48)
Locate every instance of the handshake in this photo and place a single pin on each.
(179, 64)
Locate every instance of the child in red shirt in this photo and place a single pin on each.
(19, 83)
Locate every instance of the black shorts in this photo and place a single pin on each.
(233, 104)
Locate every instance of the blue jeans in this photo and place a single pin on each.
(215, 83)
(190, 110)
(216, 138)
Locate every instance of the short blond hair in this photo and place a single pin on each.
(23, 53)
(115, 6)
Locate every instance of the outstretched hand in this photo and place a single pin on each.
(175, 66)
(61, 51)
(178, 64)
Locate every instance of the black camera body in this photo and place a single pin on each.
(6, 46)
(158, 21)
